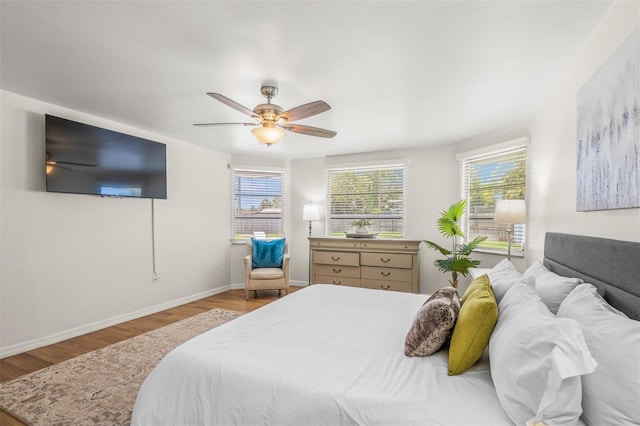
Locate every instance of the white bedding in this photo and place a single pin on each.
(324, 355)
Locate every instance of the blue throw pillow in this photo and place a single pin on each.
(267, 254)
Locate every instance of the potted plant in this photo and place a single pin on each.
(458, 260)
(361, 226)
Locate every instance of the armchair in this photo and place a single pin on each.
(266, 278)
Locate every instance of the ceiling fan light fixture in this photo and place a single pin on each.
(268, 135)
(273, 121)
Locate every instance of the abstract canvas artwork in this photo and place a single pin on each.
(608, 175)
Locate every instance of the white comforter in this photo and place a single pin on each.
(324, 355)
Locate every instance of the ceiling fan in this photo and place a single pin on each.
(61, 164)
(273, 120)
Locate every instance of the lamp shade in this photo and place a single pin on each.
(510, 211)
(310, 212)
(268, 135)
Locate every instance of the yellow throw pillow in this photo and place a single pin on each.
(478, 283)
(476, 320)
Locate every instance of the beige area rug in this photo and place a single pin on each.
(100, 387)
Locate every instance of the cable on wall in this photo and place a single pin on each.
(155, 276)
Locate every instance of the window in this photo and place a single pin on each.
(497, 173)
(375, 193)
(258, 203)
(121, 191)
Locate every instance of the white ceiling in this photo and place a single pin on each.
(396, 74)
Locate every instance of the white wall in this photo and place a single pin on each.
(307, 185)
(75, 263)
(552, 171)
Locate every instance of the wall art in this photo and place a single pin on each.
(608, 167)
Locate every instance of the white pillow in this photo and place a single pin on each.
(502, 277)
(532, 272)
(611, 395)
(537, 360)
(551, 287)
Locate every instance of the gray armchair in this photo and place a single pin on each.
(266, 278)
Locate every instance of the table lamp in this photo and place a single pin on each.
(310, 213)
(510, 212)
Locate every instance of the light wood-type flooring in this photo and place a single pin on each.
(27, 362)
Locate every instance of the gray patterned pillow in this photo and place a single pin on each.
(433, 324)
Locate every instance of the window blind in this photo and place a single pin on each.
(258, 203)
(375, 193)
(485, 179)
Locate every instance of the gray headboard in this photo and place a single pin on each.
(610, 265)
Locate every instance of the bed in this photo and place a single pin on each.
(331, 355)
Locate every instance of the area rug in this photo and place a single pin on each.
(100, 387)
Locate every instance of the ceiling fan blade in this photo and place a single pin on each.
(51, 162)
(309, 130)
(69, 163)
(57, 166)
(224, 124)
(232, 104)
(306, 110)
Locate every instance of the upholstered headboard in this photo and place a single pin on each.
(612, 266)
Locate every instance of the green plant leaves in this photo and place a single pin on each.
(466, 249)
(436, 247)
(457, 261)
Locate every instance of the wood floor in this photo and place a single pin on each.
(27, 362)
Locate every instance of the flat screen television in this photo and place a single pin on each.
(84, 159)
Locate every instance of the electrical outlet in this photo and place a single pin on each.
(155, 277)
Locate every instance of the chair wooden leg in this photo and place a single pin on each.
(246, 293)
(255, 293)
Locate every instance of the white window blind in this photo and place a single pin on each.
(485, 179)
(258, 203)
(375, 193)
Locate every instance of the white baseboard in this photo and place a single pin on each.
(78, 331)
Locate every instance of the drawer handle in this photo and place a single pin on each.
(337, 271)
(337, 283)
(387, 287)
(385, 274)
(383, 260)
(335, 259)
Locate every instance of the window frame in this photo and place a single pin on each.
(501, 153)
(336, 229)
(247, 171)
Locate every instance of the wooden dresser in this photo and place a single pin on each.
(386, 264)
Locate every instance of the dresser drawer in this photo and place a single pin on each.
(336, 258)
(392, 246)
(338, 271)
(335, 243)
(391, 260)
(327, 279)
(404, 286)
(381, 273)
